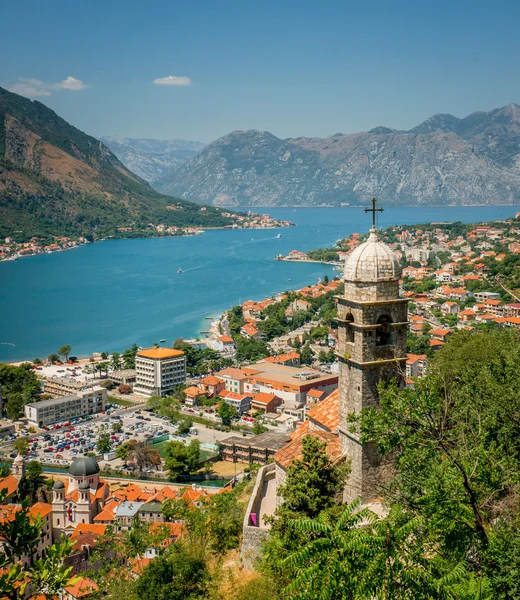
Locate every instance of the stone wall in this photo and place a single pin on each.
(253, 536)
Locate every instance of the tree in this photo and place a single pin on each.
(103, 367)
(21, 445)
(178, 574)
(184, 426)
(226, 412)
(108, 384)
(104, 355)
(53, 358)
(306, 355)
(123, 452)
(64, 351)
(37, 361)
(129, 355)
(116, 361)
(258, 428)
(104, 443)
(31, 482)
(313, 481)
(117, 427)
(124, 389)
(456, 439)
(182, 459)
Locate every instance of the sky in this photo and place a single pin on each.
(199, 69)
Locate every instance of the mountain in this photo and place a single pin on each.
(445, 160)
(151, 159)
(56, 180)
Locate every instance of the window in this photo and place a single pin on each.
(384, 331)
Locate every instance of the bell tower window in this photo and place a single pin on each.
(349, 329)
(384, 331)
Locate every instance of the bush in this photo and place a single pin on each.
(124, 388)
(108, 384)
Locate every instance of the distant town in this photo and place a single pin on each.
(11, 249)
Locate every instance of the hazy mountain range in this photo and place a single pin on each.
(57, 180)
(151, 159)
(444, 160)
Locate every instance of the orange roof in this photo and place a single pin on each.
(9, 483)
(493, 302)
(193, 391)
(138, 564)
(434, 343)
(192, 495)
(326, 413)
(81, 587)
(293, 450)
(232, 373)
(211, 380)
(97, 528)
(413, 358)
(263, 398)
(107, 514)
(176, 529)
(160, 353)
(250, 329)
(315, 393)
(165, 493)
(226, 339)
(41, 509)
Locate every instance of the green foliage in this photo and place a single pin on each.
(104, 443)
(306, 355)
(182, 459)
(324, 254)
(178, 574)
(20, 386)
(250, 350)
(200, 361)
(31, 482)
(226, 412)
(64, 352)
(21, 445)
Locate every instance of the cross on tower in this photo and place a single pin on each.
(373, 210)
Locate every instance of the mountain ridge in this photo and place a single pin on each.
(57, 180)
(443, 160)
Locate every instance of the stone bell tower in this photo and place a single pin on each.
(372, 322)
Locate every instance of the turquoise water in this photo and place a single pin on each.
(108, 295)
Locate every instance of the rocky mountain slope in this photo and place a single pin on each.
(56, 180)
(151, 159)
(445, 160)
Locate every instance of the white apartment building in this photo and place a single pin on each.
(159, 371)
(56, 410)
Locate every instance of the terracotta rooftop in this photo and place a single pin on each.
(293, 450)
(81, 587)
(326, 413)
(160, 353)
(9, 483)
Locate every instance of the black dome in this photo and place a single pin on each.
(84, 485)
(83, 467)
(58, 485)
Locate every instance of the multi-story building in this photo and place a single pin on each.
(49, 412)
(159, 371)
(242, 402)
(62, 386)
(258, 449)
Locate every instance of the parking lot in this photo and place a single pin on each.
(57, 446)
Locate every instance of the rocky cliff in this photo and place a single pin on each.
(445, 160)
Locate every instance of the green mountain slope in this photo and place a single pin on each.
(56, 180)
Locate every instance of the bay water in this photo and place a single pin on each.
(111, 294)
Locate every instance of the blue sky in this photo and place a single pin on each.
(292, 68)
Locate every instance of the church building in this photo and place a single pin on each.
(81, 500)
(372, 322)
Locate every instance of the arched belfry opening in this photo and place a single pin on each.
(349, 318)
(384, 331)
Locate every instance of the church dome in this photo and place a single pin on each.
(83, 467)
(84, 485)
(18, 459)
(58, 485)
(371, 262)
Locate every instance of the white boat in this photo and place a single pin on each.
(279, 235)
(179, 270)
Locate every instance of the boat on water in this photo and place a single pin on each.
(279, 235)
(179, 270)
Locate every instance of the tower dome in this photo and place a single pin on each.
(83, 467)
(18, 460)
(84, 485)
(58, 485)
(372, 262)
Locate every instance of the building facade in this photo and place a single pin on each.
(159, 371)
(48, 412)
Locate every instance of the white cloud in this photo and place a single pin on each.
(71, 83)
(27, 86)
(172, 80)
